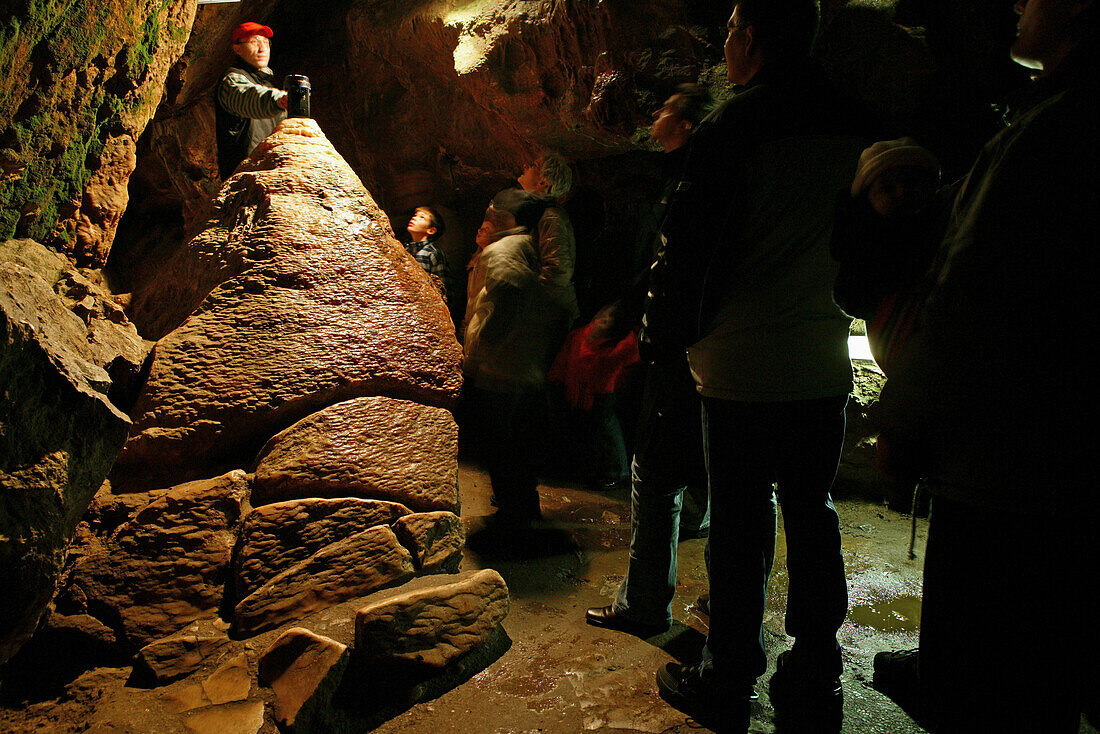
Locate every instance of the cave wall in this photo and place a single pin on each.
(433, 102)
(427, 101)
(80, 82)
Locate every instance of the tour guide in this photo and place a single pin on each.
(249, 104)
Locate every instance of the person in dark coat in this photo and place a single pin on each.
(993, 400)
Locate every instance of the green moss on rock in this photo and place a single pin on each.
(73, 73)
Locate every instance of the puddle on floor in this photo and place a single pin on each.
(901, 614)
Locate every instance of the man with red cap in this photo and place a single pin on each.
(249, 105)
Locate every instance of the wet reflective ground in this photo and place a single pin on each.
(562, 675)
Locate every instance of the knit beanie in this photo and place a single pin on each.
(888, 154)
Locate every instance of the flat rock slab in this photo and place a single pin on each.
(355, 566)
(59, 435)
(168, 564)
(373, 447)
(296, 296)
(304, 669)
(241, 717)
(436, 540)
(433, 626)
(230, 682)
(276, 537)
(178, 655)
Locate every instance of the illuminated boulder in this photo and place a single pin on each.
(295, 297)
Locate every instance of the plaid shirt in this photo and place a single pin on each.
(434, 262)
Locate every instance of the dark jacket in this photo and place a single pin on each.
(746, 268)
(995, 397)
(245, 112)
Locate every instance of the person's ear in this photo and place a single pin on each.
(431, 231)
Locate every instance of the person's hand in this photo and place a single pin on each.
(282, 101)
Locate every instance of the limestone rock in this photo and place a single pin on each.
(303, 669)
(355, 566)
(306, 299)
(275, 537)
(433, 626)
(178, 655)
(78, 83)
(168, 564)
(376, 448)
(58, 438)
(230, 682)
(113, 342)
(244, 717)
(435, 538)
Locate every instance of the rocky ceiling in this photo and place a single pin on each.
(436, 100)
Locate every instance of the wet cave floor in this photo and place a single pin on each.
(562, 675)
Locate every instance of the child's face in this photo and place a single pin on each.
(901, 191)
(420, 226)
(485, 233)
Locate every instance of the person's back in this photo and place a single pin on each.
(507, 326)
(769, 275)
(506, 337)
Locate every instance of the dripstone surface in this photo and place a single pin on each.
(435, 538)
(275, 537)
(377, 448)
(433, 626)
(178, 655)
(352, 567)
(168, 564)
(301, 297)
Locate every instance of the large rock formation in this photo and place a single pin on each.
(301, 298)
(59, 435)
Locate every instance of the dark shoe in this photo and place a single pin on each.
(897, 676)
(805, 698)
(608, 618)
(703, 604)
(682, 686)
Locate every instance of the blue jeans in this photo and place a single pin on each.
(749, 448)
(667, 461)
